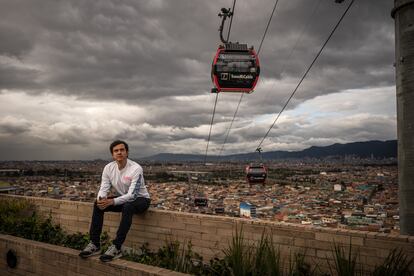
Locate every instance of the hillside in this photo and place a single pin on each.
(376, 149)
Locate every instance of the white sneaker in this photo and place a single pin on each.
(111, 254)
(90, 250)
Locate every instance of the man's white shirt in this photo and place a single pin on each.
(129, 182)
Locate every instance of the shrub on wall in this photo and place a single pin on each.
(19, 218)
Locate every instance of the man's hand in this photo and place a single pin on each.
(104, 203)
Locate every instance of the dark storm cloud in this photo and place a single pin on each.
(12, 126)
(139, 50)
(14, 42)
(108, 50)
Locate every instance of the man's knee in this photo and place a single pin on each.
(142, 205)
(128, 207)
(138, 206)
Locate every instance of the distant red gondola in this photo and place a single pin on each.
(256, 173)
(235, 68)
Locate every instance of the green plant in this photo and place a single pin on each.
(273, 260)
(299, 266)
(18, 218)
(242, 258)
(12, 213)
(46, 231)
(396, 263)
(178, 258)
(217, 267)
(105, 242)
(145, 256)
(76, 241)
(345, 264)
(260, 259)
(172, 256)
(238, 255)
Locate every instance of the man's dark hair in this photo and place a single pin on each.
(116, 143)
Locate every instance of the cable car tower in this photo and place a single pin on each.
(235, 66)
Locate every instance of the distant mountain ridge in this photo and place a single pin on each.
(376, 149)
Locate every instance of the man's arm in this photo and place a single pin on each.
(105, 185)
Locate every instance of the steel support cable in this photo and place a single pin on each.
(231, 20)
(215, 102)
(307, 71)
(231, 124)
(260, 47)
(299, 39)
(267, 27)
(211, 126)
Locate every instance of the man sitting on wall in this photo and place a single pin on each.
(126, 177)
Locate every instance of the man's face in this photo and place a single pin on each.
(119, 153)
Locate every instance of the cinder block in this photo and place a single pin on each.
(83, 226)
(357, 241)
(54, 204)
(201, 229)
(325, 254)
(143, 234)
(159, 230)
(186, 234)
(299, 242)
(112, 216)
(187, 220)
(373, 261)
(309, 252)
(111, 223)
(213, 238)
(283, 240)
(171, 224)
(68, 217)
(206, 244)
(147, 221)
(319, 245)
(386, 244)
(217, 223)
(281, 232)
(367, 251)
(68, 223)
(85, 211)
(321, 236)
(225, 232)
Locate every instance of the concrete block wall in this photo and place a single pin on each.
(209, 235)
(36, 258)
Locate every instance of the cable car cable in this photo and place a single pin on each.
(267, 27)
(307, 71)
(231, 124)
(299, 39)
(211, 126)
(241, 97)
(231, 19)
(221, 36)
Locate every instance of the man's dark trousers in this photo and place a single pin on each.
(128, 209)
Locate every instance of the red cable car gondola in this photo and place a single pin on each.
(256, 173)
(235, 68)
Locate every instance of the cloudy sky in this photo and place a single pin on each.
(75, 75)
